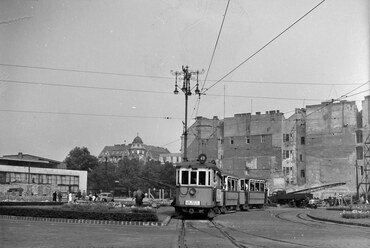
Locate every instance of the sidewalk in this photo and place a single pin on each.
(335, 217)
(164, 214)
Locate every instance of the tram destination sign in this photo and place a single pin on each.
(192, 203)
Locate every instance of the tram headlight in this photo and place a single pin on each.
(192, 191)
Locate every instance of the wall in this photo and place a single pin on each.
(330, 144)
(203, 137)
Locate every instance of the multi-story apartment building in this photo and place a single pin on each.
(317, 145)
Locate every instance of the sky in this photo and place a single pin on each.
(93, 73)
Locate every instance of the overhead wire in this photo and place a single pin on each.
(264, 46)
(93, 115)
(215, 47)
(138, 90)
(163, 77)
(213, 54)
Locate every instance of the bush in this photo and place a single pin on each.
(355, 214)
(15, 203)
(85, 211)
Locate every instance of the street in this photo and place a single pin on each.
(254, 228)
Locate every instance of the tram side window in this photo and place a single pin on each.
(185, 177)
(262, 186)
(202, 178)
(193, 177)
(242, 185)
(257, 188)
(232, 184)
(252, 186)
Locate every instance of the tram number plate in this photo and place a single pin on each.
(194, 203)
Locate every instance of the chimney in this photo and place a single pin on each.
(20, 155)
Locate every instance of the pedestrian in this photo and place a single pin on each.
(90, 196)
(79, 195)
(54, 196)
(60, 196)
(139, 196)
(70, 197)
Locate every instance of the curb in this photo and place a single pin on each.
(84, 221)
(338, 221)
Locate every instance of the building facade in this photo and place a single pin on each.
(317, 145)
(37, 177)
(173, 158)
(136, 150)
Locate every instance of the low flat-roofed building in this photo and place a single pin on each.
(37, 176)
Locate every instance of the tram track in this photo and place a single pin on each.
(226, 233)
(266, 238)
(315, 223)
(298, 216)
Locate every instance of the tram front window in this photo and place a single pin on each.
(185, 177)
(193, 177)
(202, 178)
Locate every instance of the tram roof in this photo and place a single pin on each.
(198, 165)
(255, 178)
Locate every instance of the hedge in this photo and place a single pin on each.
(67, 214)
(22, 203)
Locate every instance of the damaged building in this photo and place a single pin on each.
(317, 145)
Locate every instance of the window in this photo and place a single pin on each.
(242, 185)
(286, 138)
(303, 141)
(362, 170)
(193, 177)
(359, 136)
(300, 157)
(185, 177)
(286, 154)
(202, 178)
(360, 152)
(303, 173)
(231, 141)
(257, 188)
(247, 141)
(262, 139)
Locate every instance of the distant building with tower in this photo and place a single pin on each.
(136, 150)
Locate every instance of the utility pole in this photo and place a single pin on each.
(186, 89)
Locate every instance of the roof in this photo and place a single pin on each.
(250, 177)
(29, 158)
(137, 140)
(197, 165)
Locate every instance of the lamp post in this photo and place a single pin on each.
(186, 89)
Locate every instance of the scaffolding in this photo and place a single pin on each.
(363, 183)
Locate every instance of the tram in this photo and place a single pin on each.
(253, 192)
(198, 188)
(202, 188)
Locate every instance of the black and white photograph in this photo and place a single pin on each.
(198, 123)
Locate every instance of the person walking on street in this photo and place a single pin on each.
(54, 196)
(139, 196)
(60, 196)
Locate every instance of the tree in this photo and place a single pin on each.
(81, 159)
